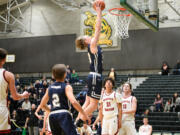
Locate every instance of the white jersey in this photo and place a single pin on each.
(126, 106)
(110, 107)
(4, 112)
(145, 130)
(3, 89)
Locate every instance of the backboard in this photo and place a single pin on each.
(139, 8)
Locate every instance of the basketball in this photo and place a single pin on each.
(100, 2)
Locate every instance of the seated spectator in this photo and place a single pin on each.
(165, 68)
(158, 103)
(74, 77)
(81, 99)
(168, 106)
(146, 113)
(112, 74)
(145, 129)
(176, 103)
(86, 130)
(83, 91)
(26, 105)
(176, 70)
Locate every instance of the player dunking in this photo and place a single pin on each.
(129, 104)
(59, 94)
(110, 103)
(7, 80)
(96, 68)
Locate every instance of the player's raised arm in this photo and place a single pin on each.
(44, 101)
(74, 102)
(94, 41)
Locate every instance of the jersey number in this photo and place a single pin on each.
(108, 104)
(55, 100)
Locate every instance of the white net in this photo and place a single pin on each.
(121, 20)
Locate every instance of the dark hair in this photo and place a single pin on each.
(157, 96)
(3, 54)
(58, 71)
(145, 117)
(130, 85)
(109, 79)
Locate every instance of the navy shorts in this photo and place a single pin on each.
(61, 123)
(94, 86)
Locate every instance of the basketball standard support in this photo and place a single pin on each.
(154, 25)
(9, 19)
(172, 7)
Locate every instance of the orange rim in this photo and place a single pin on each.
(121, 9)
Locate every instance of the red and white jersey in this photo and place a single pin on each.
(3, 89)
(145, 129)
(126, 106)
(110, 107)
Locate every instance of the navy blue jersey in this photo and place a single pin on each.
(95, 60)
(57, 96)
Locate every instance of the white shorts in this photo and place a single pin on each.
(5, 126)
(110, 126)
(128, 128)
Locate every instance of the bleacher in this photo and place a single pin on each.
(166, 86)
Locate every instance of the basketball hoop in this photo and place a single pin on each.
(121, 20)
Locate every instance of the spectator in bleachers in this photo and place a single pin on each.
(146, 113)
(86, 130)
(176, 102)
(32, 89)
(37, 84)
(158, 103)
(16, 119)
(68, 76)
(165, 68)
(112, 74)
(41, 93)
(74, 77)
(145, 129)
(83, 91)
(81, 99)
(17, 81)
(26, 105)
(35, 100)
(44, 85)
(19, 89)
(69, 69)
(176, 70)
(168, 106)
(44, 79)
(32, 122)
